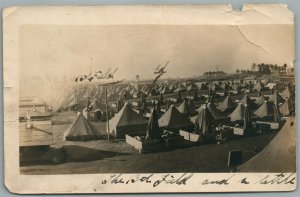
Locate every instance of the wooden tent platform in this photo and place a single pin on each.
(40, 134)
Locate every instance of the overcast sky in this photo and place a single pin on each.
(57, 51)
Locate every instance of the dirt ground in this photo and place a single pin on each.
(118, 157)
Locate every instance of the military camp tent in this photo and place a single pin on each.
(81, 130)
(287, 93)
(187, 108)
(203, 122)
(173, 120)
(242, 114)
(127, 121)
(286, 108)
(246, 100)
(226, 105)
(276, 98)
(212, 109)
(237, 114)
(153, 130)
(265, 110)
(215, 114)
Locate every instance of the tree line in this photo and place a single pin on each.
(263, 68)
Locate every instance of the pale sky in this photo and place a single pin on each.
(53, 51)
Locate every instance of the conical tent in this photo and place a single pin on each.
(286, 93)
(185, 108)
(276, 98)
(127, 121)
(237, 114)
(174, 120)
(227, 104)
(286, 108)
(246, 100)
(279, 155)
(215, 114)
(203, 122)
(81, 130)
(153, 130)
(213, 111)
(265, 110)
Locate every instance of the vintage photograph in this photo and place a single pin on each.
(154, 98)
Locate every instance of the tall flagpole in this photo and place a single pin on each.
(107, 116)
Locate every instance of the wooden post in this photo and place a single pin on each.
(107, 115)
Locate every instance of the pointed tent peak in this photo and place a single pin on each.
(276, 98)
(203, 121)
(226, 104)
(286, 92)
(286, 108)
(237, 114)
(172, 118)
(245, 100)
(184, 107)
(81, 130)
(153, 130)
(211, 108)
(125, 118)
(265, 110)
(206, 109)
(204, 105)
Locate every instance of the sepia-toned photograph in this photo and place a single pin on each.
(158, 98)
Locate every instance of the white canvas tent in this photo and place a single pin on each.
(81, 130)
(127, 121)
